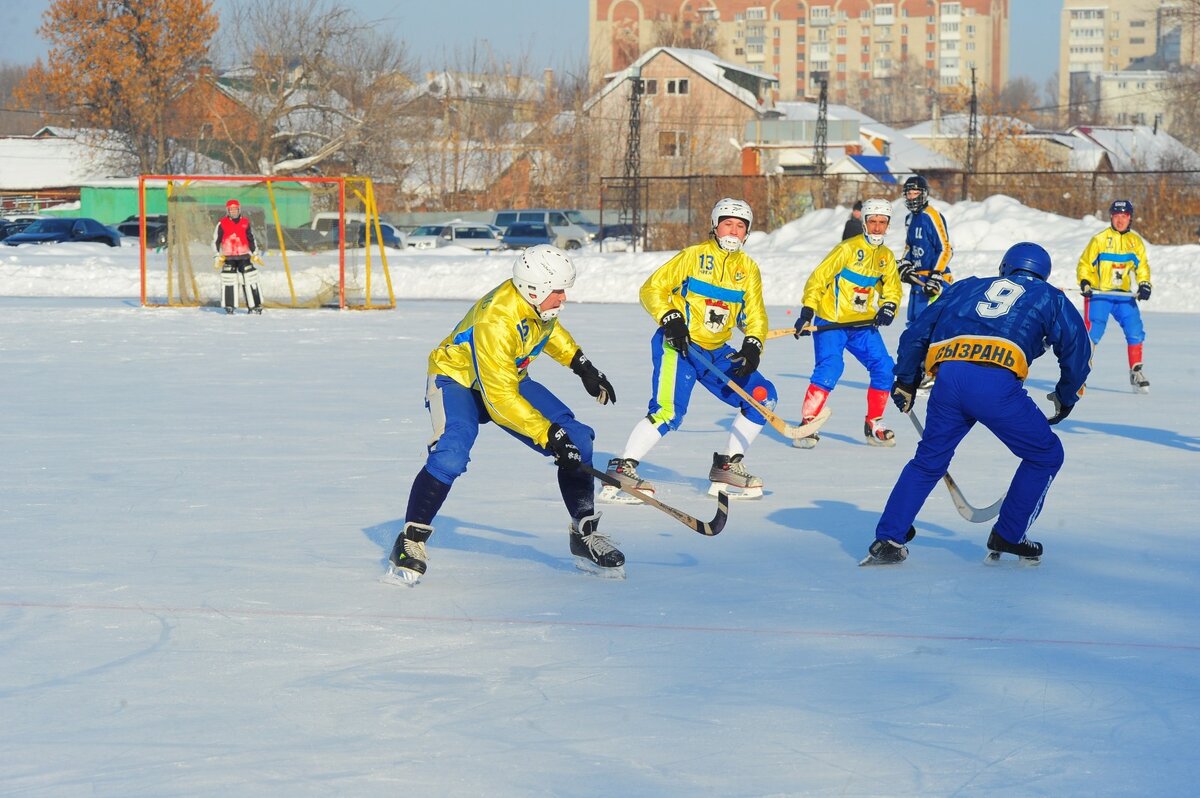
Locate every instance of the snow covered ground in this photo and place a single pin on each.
(196, 509)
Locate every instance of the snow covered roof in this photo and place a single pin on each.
(955, 126)
(33, 163)
(906, 156)
(1135, 147)
(703, 63)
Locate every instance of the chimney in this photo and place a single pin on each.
(548, 82)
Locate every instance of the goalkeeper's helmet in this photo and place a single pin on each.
(541, 270)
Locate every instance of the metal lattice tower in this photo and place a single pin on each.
(822, 137)
(972, 133)
(630, 205)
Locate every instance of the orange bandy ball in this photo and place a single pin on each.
(760, 394)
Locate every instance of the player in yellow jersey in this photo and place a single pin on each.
(479, 373)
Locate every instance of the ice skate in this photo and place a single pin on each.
(1138, 380)
(257, 310)
(878, 434)
(228, 311)
(593, 552)
(729, 475)
(888, 552)
(808, 442)
(1028, 552)
(407, 564)
(624, 469)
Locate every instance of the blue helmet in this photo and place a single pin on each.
(1121, 206)
(1026, 257)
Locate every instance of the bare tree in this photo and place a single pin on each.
(320, 85)
(691, 30)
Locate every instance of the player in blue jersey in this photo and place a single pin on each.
(925, 263)
(979, 338)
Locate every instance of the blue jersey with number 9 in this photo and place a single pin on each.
(1007, 322)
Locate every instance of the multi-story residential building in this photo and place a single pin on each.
(849, 43)
(1100, 38)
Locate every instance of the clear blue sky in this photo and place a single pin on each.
(551, 32)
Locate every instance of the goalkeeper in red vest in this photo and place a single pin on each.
(234, 244)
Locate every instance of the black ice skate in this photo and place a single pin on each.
(1029, 552)
(594, 552)
(1138, 380)
(624, 469)
(407, 564)
(728, 472)
(878, 433)
(888, 552)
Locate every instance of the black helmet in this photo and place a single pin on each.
(919, 184)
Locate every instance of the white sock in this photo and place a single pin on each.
(641, 440)
(741, 435)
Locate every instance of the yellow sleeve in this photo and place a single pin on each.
(561, 347)
(755, 310)
(495, 346)
(943, 261)
(1143, 267)
(892, 289)
(821, 280)
(1086, 268)
(663, 285)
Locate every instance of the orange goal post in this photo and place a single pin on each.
(319, 240)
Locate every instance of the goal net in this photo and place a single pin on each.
(318, 238)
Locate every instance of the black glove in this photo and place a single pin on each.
(675, 331)
(1143, 292)
(594, 380)
(933, 285)
(1085, 288)
(886, 314)
(902, 395)
(747, 357)
(566, 454)
(1061, 411)
(806, 317)
(906, 268)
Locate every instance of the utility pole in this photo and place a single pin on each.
(822, 137)
(633, 159)
(972, 132)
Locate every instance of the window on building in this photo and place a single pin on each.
(650, 86)
(758, 12)
(1137, 23)
(672, 143)
(1137, 40)
(951, 9)
(680, 85)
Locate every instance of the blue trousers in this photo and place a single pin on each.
(963, 394)
(1125, 311)
(675, 377)
(458, 412)
(865, 343)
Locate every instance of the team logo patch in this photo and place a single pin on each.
(862, 296)
(716, 315)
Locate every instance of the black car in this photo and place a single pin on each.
(9, 227)
(58, 230)
(156, 229)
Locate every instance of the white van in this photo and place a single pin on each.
(569, 235)
(327, 220)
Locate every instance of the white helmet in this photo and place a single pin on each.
(541, 270)
(875, 207)
(738, 209)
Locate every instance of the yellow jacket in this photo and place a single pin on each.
(715, 290)
(853, 275)
(1114, 261)
(490, 351)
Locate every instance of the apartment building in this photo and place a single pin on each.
(1101, 38)
(849, 43)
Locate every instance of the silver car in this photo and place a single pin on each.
(470, 235)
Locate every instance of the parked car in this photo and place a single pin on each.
(10, 226)
(325, 221)
(56, 230)
(297, 239)
(156, 229)
(527, 234)
(568, 235)
(357, 232)
(472, 235)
